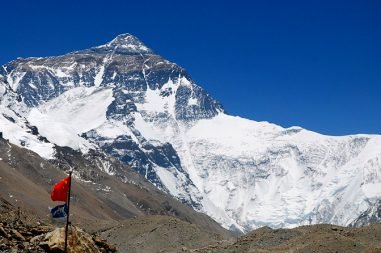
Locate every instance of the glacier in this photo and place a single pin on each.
(126, 100)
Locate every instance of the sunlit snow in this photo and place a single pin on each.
(76, 111)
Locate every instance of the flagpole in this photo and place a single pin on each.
(68, 208)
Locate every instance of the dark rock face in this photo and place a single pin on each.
(208, 107)
(126, 150)
(121, 106)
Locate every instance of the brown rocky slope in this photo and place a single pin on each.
(99, 201)
(316, 238)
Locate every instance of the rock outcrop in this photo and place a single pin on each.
(78, 241)
(20, 233)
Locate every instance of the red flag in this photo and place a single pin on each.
(59, 191)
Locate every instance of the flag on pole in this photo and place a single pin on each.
(59, 211)
(60, 190)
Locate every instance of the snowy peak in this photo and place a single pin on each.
(126, 64)
(125, 39)
(123, 44)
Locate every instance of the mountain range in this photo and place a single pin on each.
(123, 101)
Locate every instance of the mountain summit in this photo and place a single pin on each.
(124, 44)
(126, 101)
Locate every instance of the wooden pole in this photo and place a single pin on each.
(68, 208)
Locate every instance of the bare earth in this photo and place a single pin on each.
(315, 238)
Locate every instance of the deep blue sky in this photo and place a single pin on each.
(316, 64)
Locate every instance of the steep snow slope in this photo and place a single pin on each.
(16, 128)
(149, 113)
(76, 111)
(260, 174)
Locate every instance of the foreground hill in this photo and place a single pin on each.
(23, 231)
(308, 239)
(98, 199)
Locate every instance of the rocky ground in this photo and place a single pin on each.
(316, 238)
(160, 234)
(21, 232)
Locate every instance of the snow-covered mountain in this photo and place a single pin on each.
(133, 104)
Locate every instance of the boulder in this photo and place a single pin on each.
(17, 235)
(78, 241)
(103, 245)
(3, 233)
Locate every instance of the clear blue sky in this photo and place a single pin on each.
(316, 64)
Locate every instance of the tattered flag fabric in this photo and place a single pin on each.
(59, 211)
(59, 191)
